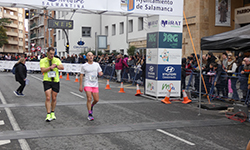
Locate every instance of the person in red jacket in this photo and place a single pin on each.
(118, 66)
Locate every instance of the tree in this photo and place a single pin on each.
(131, 50)
(3, 34)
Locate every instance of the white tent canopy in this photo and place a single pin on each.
(114, 7)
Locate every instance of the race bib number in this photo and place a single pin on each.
(52, 74)
(93, 78)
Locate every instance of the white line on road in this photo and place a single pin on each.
(3, 142)
(23, 143)
(1, 122)
(77, 95)
(176, 137)
(36, 78)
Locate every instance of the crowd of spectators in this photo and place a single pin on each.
(119, 61)
(226, 72)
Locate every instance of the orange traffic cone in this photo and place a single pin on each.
(166, 99)
(76, 80)
(43, 74)
(68, 77)
(60, 75)
(108, 86)
(121, 89)
(138, 91)
(186, 100)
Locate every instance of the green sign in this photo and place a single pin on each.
(60, 24)
(170, 40)
(152, 40)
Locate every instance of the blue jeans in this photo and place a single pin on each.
(233, 86)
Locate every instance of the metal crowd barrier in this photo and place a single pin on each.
(127, 75)
(238, 91)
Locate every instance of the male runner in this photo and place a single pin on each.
(90, 70)
(50, 66)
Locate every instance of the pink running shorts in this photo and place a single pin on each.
(91, 89)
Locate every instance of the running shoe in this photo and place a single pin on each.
(16, 93)
(52, 116)
(48, 118)
(90, 117)
(21, 94)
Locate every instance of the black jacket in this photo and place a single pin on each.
(20, 72)
(219, 73)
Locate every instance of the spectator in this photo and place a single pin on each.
(210, 59)
(81, 59)
(131, 61)
(220, 81)
(68, 59)
(224, 61)
(20, 76)
(8, 57)
(118, 66)
(76, 58)
(231, 68)
(245, 78)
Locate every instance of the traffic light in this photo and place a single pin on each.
(67, 48)
(27, 14)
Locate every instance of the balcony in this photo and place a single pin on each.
(40, 23)
(32, 26)
(10, 16)
(12, 42)
(11, 8)
(32, 36)
(41, 35)
(20, 35)
(20, 43)
(21, 27)
(54, 44)
(9, 33)
(10, 50)
(12, 25)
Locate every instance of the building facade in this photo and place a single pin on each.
(204, 18)
(40, 35)
(15, 30)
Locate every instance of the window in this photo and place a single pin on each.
(59, 32)
(122, 51)
(113, 51)
(113, 29)
(121, 27)
(106, 30)
(20, 15)
(86, 31)
(20, 31)
(62, 13)
(12, 30)
(11, 13)
(63, 53)
(130, 26)
(5, 11)
(58, 14)
(140, 23)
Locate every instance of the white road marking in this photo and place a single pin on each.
(23, 143)
(36, 78)
(176, 137)
(1, 122)
(3, 142)
(77, 95)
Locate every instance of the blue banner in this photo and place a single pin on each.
(169, 72)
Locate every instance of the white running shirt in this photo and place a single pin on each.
(91, 71)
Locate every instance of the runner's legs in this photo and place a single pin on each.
(53, 103)
(47, 101)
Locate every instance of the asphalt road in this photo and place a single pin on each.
(122, 121)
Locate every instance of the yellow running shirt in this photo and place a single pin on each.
(44, 63)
